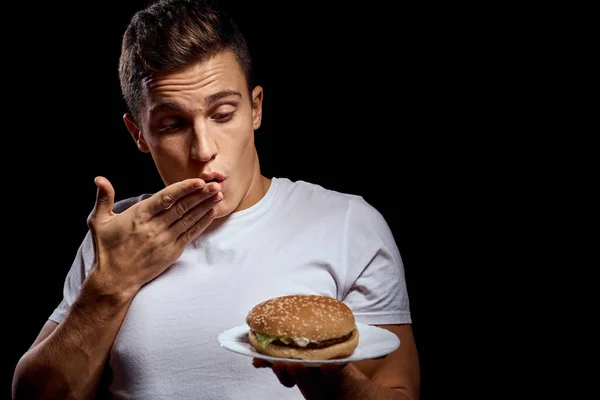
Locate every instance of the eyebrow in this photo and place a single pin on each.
(208, 101)
(213, 98)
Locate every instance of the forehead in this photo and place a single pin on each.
(196, 82)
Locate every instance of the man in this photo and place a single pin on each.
(158, 277)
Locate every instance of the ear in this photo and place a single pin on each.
(136, 133)
(257, 99)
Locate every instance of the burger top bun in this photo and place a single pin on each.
(314, 317)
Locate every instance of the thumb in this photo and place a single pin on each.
(105, 197)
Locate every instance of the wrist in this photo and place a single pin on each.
(108, 289)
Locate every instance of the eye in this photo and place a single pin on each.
(170, 127)
(222, 117)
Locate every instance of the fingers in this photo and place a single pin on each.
(195, 220)
(301, 374)
(182, 209)
(105, 199)
(314, 382)
(279, 368)
(323, 382)
(281, 371)
(191, 233)
(260, 363)
(331, 374)
(167, 197)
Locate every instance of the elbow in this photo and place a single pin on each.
(38, 381)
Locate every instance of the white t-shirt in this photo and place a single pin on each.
(299, 238)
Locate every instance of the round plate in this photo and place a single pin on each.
(373, 342)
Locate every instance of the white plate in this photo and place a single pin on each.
(373, 342)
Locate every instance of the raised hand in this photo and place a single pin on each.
(135, 246)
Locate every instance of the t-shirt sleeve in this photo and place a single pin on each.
(84, 259)
(375, 285)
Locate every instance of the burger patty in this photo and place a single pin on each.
(312, 345)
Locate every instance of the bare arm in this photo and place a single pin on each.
(131, 248)
(397, 376)
(66, 360)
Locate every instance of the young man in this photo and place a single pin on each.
(158, 277)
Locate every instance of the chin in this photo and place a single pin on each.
(222, 209)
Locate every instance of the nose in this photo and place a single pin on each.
(204, 147)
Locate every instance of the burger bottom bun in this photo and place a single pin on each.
(339, 350)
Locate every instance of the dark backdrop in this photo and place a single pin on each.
(368, 100)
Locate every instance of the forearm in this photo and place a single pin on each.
(355, 385)
(69, 362)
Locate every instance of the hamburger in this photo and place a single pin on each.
(306, 327)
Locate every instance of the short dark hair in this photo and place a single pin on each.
(169, 35)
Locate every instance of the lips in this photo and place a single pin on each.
(213, 177)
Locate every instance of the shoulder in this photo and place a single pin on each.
(310, 190)
(322, 199)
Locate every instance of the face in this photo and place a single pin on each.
(199, 123)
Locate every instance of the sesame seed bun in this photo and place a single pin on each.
(326, 322)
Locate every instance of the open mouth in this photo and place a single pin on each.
(213, 177)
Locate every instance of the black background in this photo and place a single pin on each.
(392, 103)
